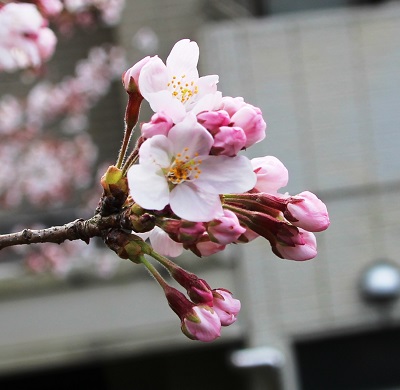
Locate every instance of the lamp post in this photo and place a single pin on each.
(380, 282)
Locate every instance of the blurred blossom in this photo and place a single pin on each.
(42, 178)
(36, 157)
(146, 40)
(10, 115)
(25, 41)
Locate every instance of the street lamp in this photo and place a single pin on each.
(380, 282)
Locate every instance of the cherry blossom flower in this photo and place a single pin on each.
(178, 170)
(175, 87)
(25, 41)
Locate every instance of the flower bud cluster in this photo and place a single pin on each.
(207, 310)
(189, 187)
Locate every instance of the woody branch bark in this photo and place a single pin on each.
(97, 226)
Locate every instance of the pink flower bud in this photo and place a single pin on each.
(205, 247)
(228, 141)
(185, 232)
(130, 78)
(305, 251)
(202, 324)
(199, 322)
(309, 212)
(231, 105)
(159, 124)
(213, 120)
(247, 236)
(198, 289)
(190, 232)
(226, 307)
(226, 229)
(271, 174)
(250, 119)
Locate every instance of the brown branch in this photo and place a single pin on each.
(77, 230)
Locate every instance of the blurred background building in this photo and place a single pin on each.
(326, 75)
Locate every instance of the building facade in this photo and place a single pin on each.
(328, 83)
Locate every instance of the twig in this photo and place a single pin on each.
(77, 230)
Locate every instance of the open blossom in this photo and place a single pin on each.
(25, 40)
(178, 170)
(175, 87)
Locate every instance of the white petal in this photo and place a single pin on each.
(148, 186)
(209, 102)
(183, 58)
(189, 203)
(164, 244)
(207, 84)
(227, 174)
(156, 150)
(190, 134)
(163, 101)
(153, 77)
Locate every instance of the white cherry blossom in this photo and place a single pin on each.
(175, 87)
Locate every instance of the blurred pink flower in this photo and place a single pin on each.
(25, 41)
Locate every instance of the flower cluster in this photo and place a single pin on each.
(190, 171)
(26, 41)
(186, 185)
(207, 310)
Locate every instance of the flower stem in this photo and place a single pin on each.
(133, 156)
(124, 146)
(154, 272)
(167, 263)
